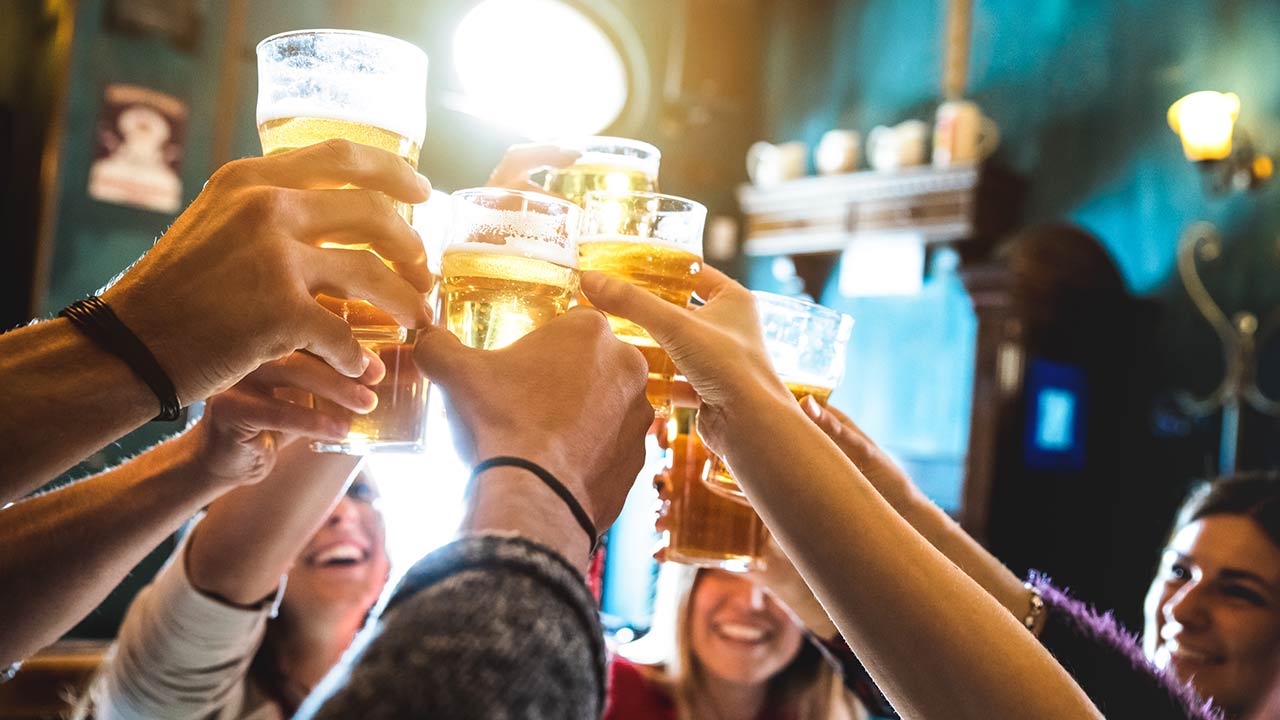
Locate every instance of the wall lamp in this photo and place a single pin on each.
(1228, 160)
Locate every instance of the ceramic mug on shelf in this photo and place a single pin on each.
(769, 164)
(962, 134)
(890, 148)
(837, 152)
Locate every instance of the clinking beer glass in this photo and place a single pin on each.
(704, 527)
(510, 264)
(317, 85)
(654, 242)
(806, 344)
(616, 165)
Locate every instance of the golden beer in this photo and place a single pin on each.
(717, 474)
(703, 527)
(490, 299)
(399, 418)
(666, 271)
(575, 181)
(290, 133)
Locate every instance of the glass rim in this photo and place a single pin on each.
(607, 195)
(496, 192)
(844, 321)
(338, 32)
(588, 143)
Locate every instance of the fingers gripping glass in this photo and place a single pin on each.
(807, 345)
(317, 85)
(655, 243)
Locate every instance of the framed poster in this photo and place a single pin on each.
(137, 149)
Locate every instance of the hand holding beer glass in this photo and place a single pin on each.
(615, 165)
(651, 241)
(510, 264)
(318, 85)
(806, 344)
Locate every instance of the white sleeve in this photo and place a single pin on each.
(179, 654)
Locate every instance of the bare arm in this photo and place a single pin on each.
(65, 398)
(250, 536)
(925, 516)
(229, 286)
(65, 550)
(932, 638)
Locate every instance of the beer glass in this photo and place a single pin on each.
(317, 85)
(654, 242)
(510, 264)
(704, 527)
(806, 344)
(606, 163)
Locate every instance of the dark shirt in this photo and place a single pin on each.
(485, 628)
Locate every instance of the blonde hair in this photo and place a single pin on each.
(807, 686)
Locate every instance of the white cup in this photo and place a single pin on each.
(962, 134)
(837, 152)
(769, 164)
(890, 148)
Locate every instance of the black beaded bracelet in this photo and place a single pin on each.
(99, 322)
(550, 481)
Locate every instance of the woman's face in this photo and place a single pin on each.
(737, 632)
(1213, 611)
(345, 565)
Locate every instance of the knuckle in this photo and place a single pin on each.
(231, 174)
(343, 153)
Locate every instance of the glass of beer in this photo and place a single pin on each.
(654, 242)
(806, 343)
(510, 264)
(704, 527)
(317, 85)
(611, 164)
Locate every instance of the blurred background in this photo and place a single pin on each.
(1025, 342)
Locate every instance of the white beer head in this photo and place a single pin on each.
(514, 222)
(344, 75)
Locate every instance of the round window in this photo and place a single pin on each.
(539, 67)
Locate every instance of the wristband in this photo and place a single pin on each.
(550, 481)
(93, 317)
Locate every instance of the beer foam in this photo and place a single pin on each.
(694, 248)
(411, 125)
(521, 246)
(647, 166)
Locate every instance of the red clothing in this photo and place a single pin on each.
(632, 696)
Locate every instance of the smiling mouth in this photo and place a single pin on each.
(341, 555)
(741, 633)
(1179, 653)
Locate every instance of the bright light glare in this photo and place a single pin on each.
(539, 67)
(422, 495)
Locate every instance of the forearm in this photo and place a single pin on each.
(250, 536)
(931, 637)
(484, 627)
(65, 550)
(64, 398)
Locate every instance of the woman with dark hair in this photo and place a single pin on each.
(1213, 610)
(263, 595)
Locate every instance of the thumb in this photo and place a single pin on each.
(439, 354)
(666, 322)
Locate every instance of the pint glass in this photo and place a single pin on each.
(510, 264)
(654, 242)
(317, 85)
(806, 344)
(704, 527)
(613, 164)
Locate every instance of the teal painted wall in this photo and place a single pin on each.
(1080, 90)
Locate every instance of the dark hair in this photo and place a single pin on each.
(1255, 495)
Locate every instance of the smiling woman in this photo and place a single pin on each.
(539, 67)
(1213, 610)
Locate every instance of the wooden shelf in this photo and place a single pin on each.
(817, 215)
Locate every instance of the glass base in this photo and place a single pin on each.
(352, 446)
